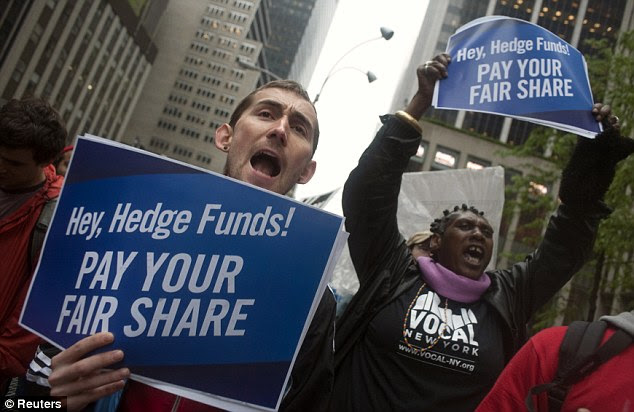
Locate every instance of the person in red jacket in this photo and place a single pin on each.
(608, 388)
(32, 134)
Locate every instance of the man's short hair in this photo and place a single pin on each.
(33, 124)
(290, 85)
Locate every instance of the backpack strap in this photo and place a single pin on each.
(577, 342)
(39, 232)
(579, 357)
(617, 343)
(580, 341)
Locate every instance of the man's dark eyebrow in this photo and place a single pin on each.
(297, 114)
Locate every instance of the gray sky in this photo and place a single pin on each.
(349, 106)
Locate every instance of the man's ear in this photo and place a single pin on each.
(308, 172)
(223, 136)
(434, 242)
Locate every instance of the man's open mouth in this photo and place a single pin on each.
(266, 163)
(474, 255)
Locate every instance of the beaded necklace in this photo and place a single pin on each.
(442, 329)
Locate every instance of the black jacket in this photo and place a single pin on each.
(385, 266)
(313, 373)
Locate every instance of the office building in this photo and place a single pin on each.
(90, 59)
(290, 18)
(309, 49)
(196, 81)
(260, 31)
(293, 33)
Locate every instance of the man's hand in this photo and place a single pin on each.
(427, 74)
(83, 380)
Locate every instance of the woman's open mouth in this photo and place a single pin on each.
(474, 255)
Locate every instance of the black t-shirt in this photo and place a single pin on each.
(384, 372)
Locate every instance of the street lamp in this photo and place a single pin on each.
(371, 77)
(245, 64)
(385, 34)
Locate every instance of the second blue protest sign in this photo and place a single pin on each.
(515, 68)
(205, 282)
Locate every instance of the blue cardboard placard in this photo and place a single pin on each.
(511, 67)
(206, 282)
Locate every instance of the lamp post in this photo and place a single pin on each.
(247, 65)
(385, 34)
(371, 77)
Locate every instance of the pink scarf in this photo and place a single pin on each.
(450, 285)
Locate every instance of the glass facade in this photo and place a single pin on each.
(289, 19)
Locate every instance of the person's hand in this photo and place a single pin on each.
(83, 380)
(603, 114)
(592, 166)
(615, 146)
(428, 74)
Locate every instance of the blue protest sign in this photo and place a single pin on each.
(511, 67)
(206, 283)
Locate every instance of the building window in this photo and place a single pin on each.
(509, 174)
(244, 5)
(205, 92)
(217, 11)
(222, 113)
(199, 47)
(184, 86)
(212, 80)
(203, 159)
(204, 35)
(475, 163)
(219, 68)
(238, 17)
(232, 28)
(20, 67)
(182, 151)
(227, 99)
(227, 42)
(163, 124)
(238, 74)
(206, 21)
(445, 158)
(232, 86)
(159, 143)
(196, 61)
(422, 150)
(177, 99)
